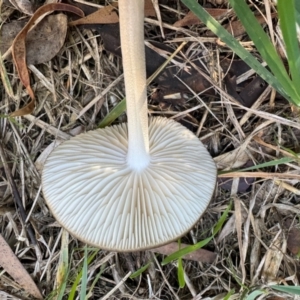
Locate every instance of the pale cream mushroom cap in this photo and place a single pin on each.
(94, 193)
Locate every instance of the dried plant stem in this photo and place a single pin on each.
(17, 197)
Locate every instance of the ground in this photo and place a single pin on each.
(241, 120)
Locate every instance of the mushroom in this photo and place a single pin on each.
(130, 186)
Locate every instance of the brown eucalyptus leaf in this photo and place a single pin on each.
(25, 6)
(46, 39)
(191, 19)
(149, 9)
(248, 91)
(236, 28)
(104, 15)
(108, 15)
(43, 42)
(19, 49)
(293, 241)
(200, 255)
(10, 263)
(8, 32)
(84, 6)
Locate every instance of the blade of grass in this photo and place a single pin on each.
(140, 271)
(265, 48)
(297, 6)
(192, 248)
(287, 17)
(180, 273)
(63, 268)
(255, 294)
(114, 114)
(275, 162)
(282, 83)
(84, 275)
(295, 290)
(95, 281)
(229, 294)
(261, 41)
(79, 275)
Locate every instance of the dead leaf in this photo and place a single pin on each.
(273, 258)
(236, 28)
(191, 19)
(25, 6)
(173, 79)
(14, 268)
(108, 15)
(45, 41)
(232, 160)
(200, 255)
(293, 241)
(42, 43)
(105, 15)
(244, 183)
(149, 9)
(248, 91)
(8, 33)
(19, 49)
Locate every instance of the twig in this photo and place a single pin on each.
(119, 284)
(17, 197)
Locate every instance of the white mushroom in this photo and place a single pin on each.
(130, 186)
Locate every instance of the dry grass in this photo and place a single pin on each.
(77, 89)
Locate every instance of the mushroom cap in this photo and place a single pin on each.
(94, 193)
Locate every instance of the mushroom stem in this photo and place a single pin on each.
(133, 53)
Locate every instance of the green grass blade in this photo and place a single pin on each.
(272, 163)
(295, 290)
(297, 6)
(260, 39)
(140, 271)
(79, 276)
(63, 265)
(255, 294)
(192, 248)
(114, 114)
(180, 273)
(84, 275)
(287, 17)
(186, 250)
(265, 47)
(282, 83)
(222, 220)
(94, 282)
(296, 155)
(229, 294)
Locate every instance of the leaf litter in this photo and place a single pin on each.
(255, 246)
(43, 42)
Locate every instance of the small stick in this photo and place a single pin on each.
(17, 197)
